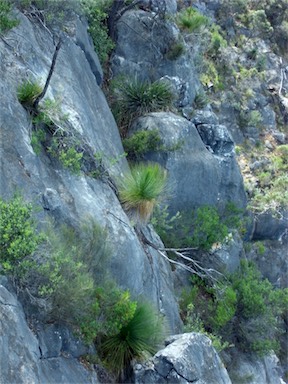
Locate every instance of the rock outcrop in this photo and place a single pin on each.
(197, 175)
(22, 360)
(188, 358)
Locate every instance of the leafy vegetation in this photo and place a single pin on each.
(18, 236)
(28, 91)
(142, 334)
(175, 50)
(97, 13)
(140, 143)
(245, 310)
(141, 190)
(134, 98)
(191, 20)
(6, 21)
(200, 228)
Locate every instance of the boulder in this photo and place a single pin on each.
(21, 359)
(195, 175)
(188, 358)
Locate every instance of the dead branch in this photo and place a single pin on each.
(42, 94)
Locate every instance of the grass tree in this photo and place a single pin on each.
(142, 189)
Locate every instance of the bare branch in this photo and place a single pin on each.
(42, 94)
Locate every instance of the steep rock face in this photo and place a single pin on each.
(21, 359)
(142, 51)
(254, 370)
(196, 175)
(188, 358)
(69, 198)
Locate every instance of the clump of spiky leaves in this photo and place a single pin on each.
(142, 188)
(142, 335)
(28, 91)
(191, 20)
(134, 98)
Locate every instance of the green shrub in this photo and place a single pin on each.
(191, 20)
(18, 235)
(96, 13)
(69, 267)
(193, 323)
(259, 310)
(141, 142)
(37, 138)
(141, 190)
(28, 91)
(207, 228)
(139, 336)
(111, 310)
(245, 310)
(6, 22)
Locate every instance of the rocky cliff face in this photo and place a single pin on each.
(202, 170)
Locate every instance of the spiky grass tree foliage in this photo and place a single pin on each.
(141, 190)
(28, 91)
(133, 98)
(142, 335)
(191, 20)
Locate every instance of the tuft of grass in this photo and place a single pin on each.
(141, 190)
(176, 50)
(191, 20)
(28, 91)
(141, 335)
(135, 98)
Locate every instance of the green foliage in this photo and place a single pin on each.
(6, 22)
(18, 236)
(175, 50)
(201, 100)
(217, 42)
(245, 310)
(142, 334)
(191, 20)
(50, 113)
(207, 228)
(193, 323)
(141, 190)
(111, 310)
(271, 192)
(141, 142)
(96, 13)
(164, 223)
(28, 91)
(200, 228)
(37, 138)
(134, 98)
(259, 310)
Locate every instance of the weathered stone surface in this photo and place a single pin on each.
(253, 370)
(188, 358)
(270, 227)
(21, 360)
(195, 175)
(216, 138)
(142, 45)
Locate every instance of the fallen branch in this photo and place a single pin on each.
(195, 267)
